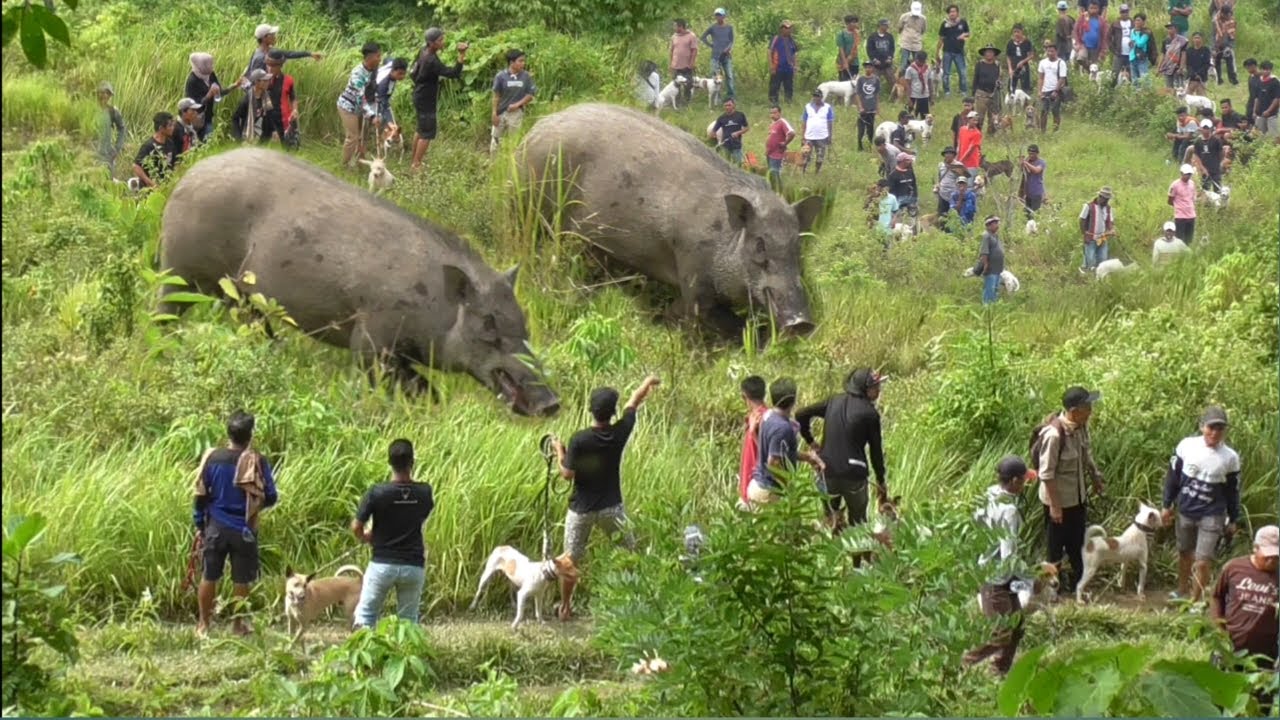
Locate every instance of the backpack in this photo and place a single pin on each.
(1036, 446)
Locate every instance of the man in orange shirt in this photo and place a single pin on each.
(753, 389)
(684, 58)
(970, 139)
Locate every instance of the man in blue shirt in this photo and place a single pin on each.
(232, 485)
(779, 445)
(721, 44)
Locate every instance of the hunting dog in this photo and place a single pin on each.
(843, 88)
(306, 598)
(1002, 167)
(528, 577)
(712, 87)
(1131, 546)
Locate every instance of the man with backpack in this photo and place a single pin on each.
(850, 436)
(1063, 453)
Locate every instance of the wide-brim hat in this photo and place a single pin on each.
(987, 47)
(1105, 192)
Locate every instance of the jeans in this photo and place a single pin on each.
(775, 173)
(907, 56)
(784, 80)
(1094, 253)
(725, 68)
(956, 59)
(1139, 68)
(379, 579)
(733, 154)
(1186, 229)
(990, 284)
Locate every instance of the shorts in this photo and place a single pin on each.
(426, 125)
(1200, 535)
(221, 543)
(758, 494)
(578, 527)
(852, 492)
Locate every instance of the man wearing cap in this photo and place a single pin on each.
(1173, 54)
(721, 44)
(426, 73)
(779, 445)
(250, 115)
(593, 461)
(1184, 132)
(970, 149)
(1052, 76)
(1244, 601)
(816, 125)
(1001, 596)
(951, 39)
(1182, 196)
(945, 183)
(1167, 245)
(1206, 155)
(990, 260)
(986, 88)
(880, 46)
(1097, 225)
(964, 202)
(266, 35)
(1031, 189)
(1203, 482)
(185, 135)
(111, 119)
(684, 59)
(851, 446)
(282, 118)
(1064, 29)
(866, 93)
(1064, 461)
(782, 63)
(1120, 42)
(911, 27)
(902, 183)
(847, 41)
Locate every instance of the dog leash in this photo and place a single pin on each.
(338, 559)
(546, 447)
(193, 557)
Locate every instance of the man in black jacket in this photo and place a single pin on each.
(850, 429)
(426, 74)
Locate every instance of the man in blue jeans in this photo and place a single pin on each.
(721, 44)
(990, 262)
(951, 40)
(398, 509)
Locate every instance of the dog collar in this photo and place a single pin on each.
(1144, 528)
(549, 570)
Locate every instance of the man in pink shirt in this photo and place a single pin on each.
(775, 149)
(1182, 196)
(684, 58)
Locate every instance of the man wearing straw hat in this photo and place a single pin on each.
(986, 87)
(1097, 224)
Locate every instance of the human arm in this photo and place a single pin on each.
(493, 117)
(564, 459)
(1047, 470)
(363, 514)
(299, 54)
(140, 165)
(269, 494)
(117, 119)
(875, 447)
(703, 37)
(642, 392)
(805, 416)
(1218, 600)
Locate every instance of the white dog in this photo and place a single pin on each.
(1017, 100)
(922, 129)
(669, 94)
(1095, 77)
(1010, 282)
(843, 88)
(530, 578)
(1197, 102)
(1107, 267)
(380, 178)
(1032, 227)
(885, 129)
(711, 86)
(1100, 550)
(1218, 199)
(903, 232)
(935, 80)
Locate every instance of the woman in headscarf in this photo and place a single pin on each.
(204, 87)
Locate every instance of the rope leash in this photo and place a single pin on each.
(193, 557)
(546, 447)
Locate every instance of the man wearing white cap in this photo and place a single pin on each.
(186, 136)
(266, 35)
(1167, 245)
(1182, 196)
(1244, 601)
(1206, 155)
(911, 27)
(721, 44)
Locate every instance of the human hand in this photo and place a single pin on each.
(494, 119)
(368, 536)
(1230, 530)
(317, 56)
(463, 47)
(1166, 517)
(1097, 487)
(1055, 514)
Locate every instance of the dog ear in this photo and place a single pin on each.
(306, 579)
(897, 499)
(288, 571)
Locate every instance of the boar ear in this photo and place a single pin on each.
(457, 286)
(807, 211)
(740, 210)
(510, 275)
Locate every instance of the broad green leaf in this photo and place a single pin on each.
(53, 591)
(163, 317)
(229, 287)
(1013, 692)
(1175, 695)
(1088, 694)
(393, 672)
(32, 35)
(12, 19)
(22, 531)
(1224, 688)
(249, 278)
(189, 297)
(53, 25)
(172, 280)
(1043, 689)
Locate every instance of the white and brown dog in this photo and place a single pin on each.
(1131, 546)
(528, 577)
(306, 598)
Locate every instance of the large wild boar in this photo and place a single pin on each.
(354, 270)
(659, 201)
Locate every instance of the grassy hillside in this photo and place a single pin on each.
(106, 412)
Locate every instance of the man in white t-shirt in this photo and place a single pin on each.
(1164, 248)
(1053, 78)
(816, 125)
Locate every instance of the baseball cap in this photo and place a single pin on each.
(1206, 123)
(1124, 7)
(264, 30)
(105, 87)
(1033, 148)
(1187, 168)
(1076, 396)
(1062, 4)
(781, 390)
(864, 379)
(186, 104)
(884, 22)
(917, 9)
(1011, 467)
(720, 11)
(603, 403)
(1267, 541)
(962, 180)
(948, 150)
(972, 114)
(276, 56)
(258, 74)
(817, 93)
(1170, 25)
(991, 219)
(1169, 225)
(786, 23)
(1214, 415)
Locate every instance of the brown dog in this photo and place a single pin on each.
(992, 169)
(305, 599)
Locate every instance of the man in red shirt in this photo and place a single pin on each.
(753, 389)
(1244, 602)
(775, 149)
(970, 143)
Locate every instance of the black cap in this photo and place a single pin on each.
(1214, 415)
(603, 403)
(862, 380)
(1010, 467)
(817, 93)
(782, 390)
(1076, 396)
(948, 149)
(1033, 148)
(276, 56)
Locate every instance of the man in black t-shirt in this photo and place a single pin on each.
(426, 73)
(1199, 60)
(731, 126)
(398, 509)
(1206, 153)
(155, 158)
(593, 461)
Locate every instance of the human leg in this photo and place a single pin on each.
(990, 283)
(1074, 522)
(408, 583)
(351, 135)
(379, 579)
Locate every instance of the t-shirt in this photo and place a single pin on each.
(1126, 32)
(1204, 481)
(775, 146)
(1000, 514)
(778, 439)
(731, 123)
(398, 510)
(1268, 92)
(846, 41)
(970, 150)
(721, 38)
(1184, 199)
(994, 251)
(426, 74)
(156, 158)
(1092, 35)
(816, 121)
(1182, 22)
(684, 50)
(1210, 154)
(985, 76)
(1018, 51)
(226, 501)
(352, 97)
(1053, 71)
(888, 206)
(902, 183)
(595, 457)
(385, 89)
(1163, 250)
(512, 88)
(1035, 183)
(1198, 61)
(950, 36)
(919, 81)
(1064, 30)
(1230, 120)
(1247, 600)
(868, 88)
(898, 137)
(784, 49)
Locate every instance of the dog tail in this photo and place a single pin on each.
(354, 568)
(1094, 531)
